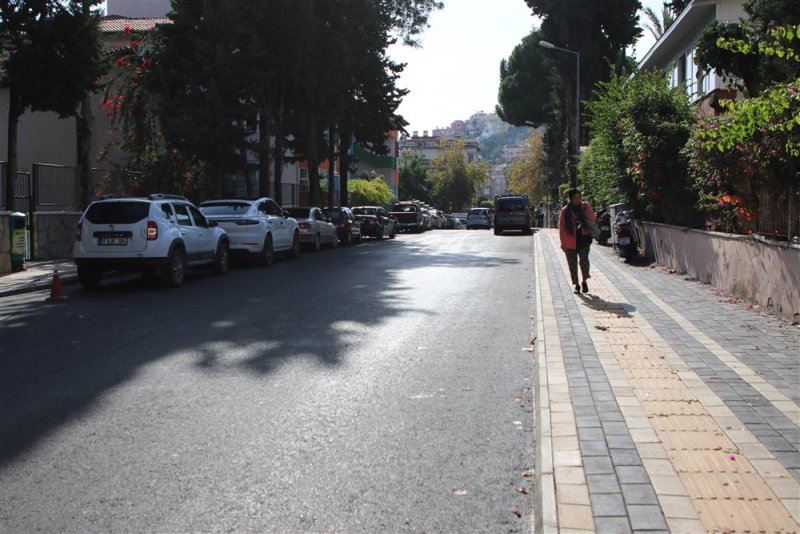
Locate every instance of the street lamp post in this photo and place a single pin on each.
(551, 46)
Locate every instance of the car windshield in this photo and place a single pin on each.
(365, 211)
(117, 212)
(225, 208)
(477, 213)
(298, 213)
(510, 204)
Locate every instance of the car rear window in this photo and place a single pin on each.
(510, 204)
(225, 208)
(117, 212)
(365, 211)
(402, 207)
(298, 213)
(336, 216)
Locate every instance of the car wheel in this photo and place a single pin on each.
(175, 270)
(295, 251)
(222, 258)
(348, 239)
(89, 277)
(497, 232)
(360, 237)
(393, 234)
(267, 254)
(380, 232)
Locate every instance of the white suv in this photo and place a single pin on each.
(160, 234)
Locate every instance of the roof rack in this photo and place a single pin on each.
(111, 196)
(165, 196)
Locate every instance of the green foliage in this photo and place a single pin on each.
(526, 174)
(486, 204)
(454, 180)
(640, 127)
(364, 192)
(414, 180)
(524, 91)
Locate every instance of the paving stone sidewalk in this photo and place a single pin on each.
(660, 405)
(37, 275)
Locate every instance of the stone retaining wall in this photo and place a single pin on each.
(54, 234)
(767, 274)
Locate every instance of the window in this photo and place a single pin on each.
(182, 214)
(115, 212)
(269, 207)
(199, 220)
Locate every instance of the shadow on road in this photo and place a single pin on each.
(57, 361)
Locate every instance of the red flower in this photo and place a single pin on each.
(128, 30)
(122, 61)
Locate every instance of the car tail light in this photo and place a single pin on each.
(305, 225)
(247, 222)
(342, 225)
(152, 230)
(78, 230)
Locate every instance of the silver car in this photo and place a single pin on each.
(315, 226)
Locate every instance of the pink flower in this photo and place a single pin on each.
(127, 30)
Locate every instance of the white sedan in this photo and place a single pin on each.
(316, 228)
(259, 227)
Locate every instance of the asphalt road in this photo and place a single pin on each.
(374, 388)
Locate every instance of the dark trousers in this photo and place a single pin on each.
(576, 256)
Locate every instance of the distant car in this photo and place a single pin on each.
(259, 227)
(512, 212)
(479, 218)
(158, 235)
(348, 228)
(376, 222)
(316, 228)
(408, 215)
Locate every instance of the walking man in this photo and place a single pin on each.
(575, 237)
(540, 215)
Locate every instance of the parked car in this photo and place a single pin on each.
(376, 222)
(479, 218)
(512, 212)
(158, 235)
(408, 215)
(348, 228)
(259, 228)
(316, 228)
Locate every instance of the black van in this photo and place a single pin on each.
(512, 212)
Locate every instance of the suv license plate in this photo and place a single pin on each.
(624, 240)
(113, 241)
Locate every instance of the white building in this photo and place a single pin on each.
(429, 147)
(138, 8)
(674, 52)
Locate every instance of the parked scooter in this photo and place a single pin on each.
(604, 222)
(626, 244)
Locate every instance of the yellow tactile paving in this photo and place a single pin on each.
(728, 492)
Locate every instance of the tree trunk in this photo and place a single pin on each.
(312, 161)
(345, 139)
(264, 146)
(11, 163)
(331, 166)
(83, 137)
(278, 174)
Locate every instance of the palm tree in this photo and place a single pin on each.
(658, 25)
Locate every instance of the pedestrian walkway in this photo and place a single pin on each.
(37, 275)
(659, 406)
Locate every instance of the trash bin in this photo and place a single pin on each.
(19, 240)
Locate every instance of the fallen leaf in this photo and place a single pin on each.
(522, 489)
(514, 510)
(601, 327)
(527, 474)
(527, 349)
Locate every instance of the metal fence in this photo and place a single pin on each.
(778, 215)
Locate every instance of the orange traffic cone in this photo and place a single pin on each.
(55, 291)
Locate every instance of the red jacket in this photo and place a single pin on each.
(569, 241)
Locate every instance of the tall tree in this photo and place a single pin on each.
(201, 79)
(46, 44)
(414, 181)
(454, 180)
(658, 23)
(524, 92)
(526, 174)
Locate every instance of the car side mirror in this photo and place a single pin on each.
(213, 224)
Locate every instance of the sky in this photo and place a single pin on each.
(456, 71)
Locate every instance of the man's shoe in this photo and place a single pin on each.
(577, 288)
(584, 287)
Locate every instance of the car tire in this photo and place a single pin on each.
(393, 234)
(89, 277)
(294, 252)
(380, 233)
(348, 240)
(175, 269)
(222, 257)
(267, 255)
(497, 232)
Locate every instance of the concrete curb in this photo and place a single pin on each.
(544, 507)
(38, 284)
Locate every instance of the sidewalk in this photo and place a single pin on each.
(660, 406)
(37, 275)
